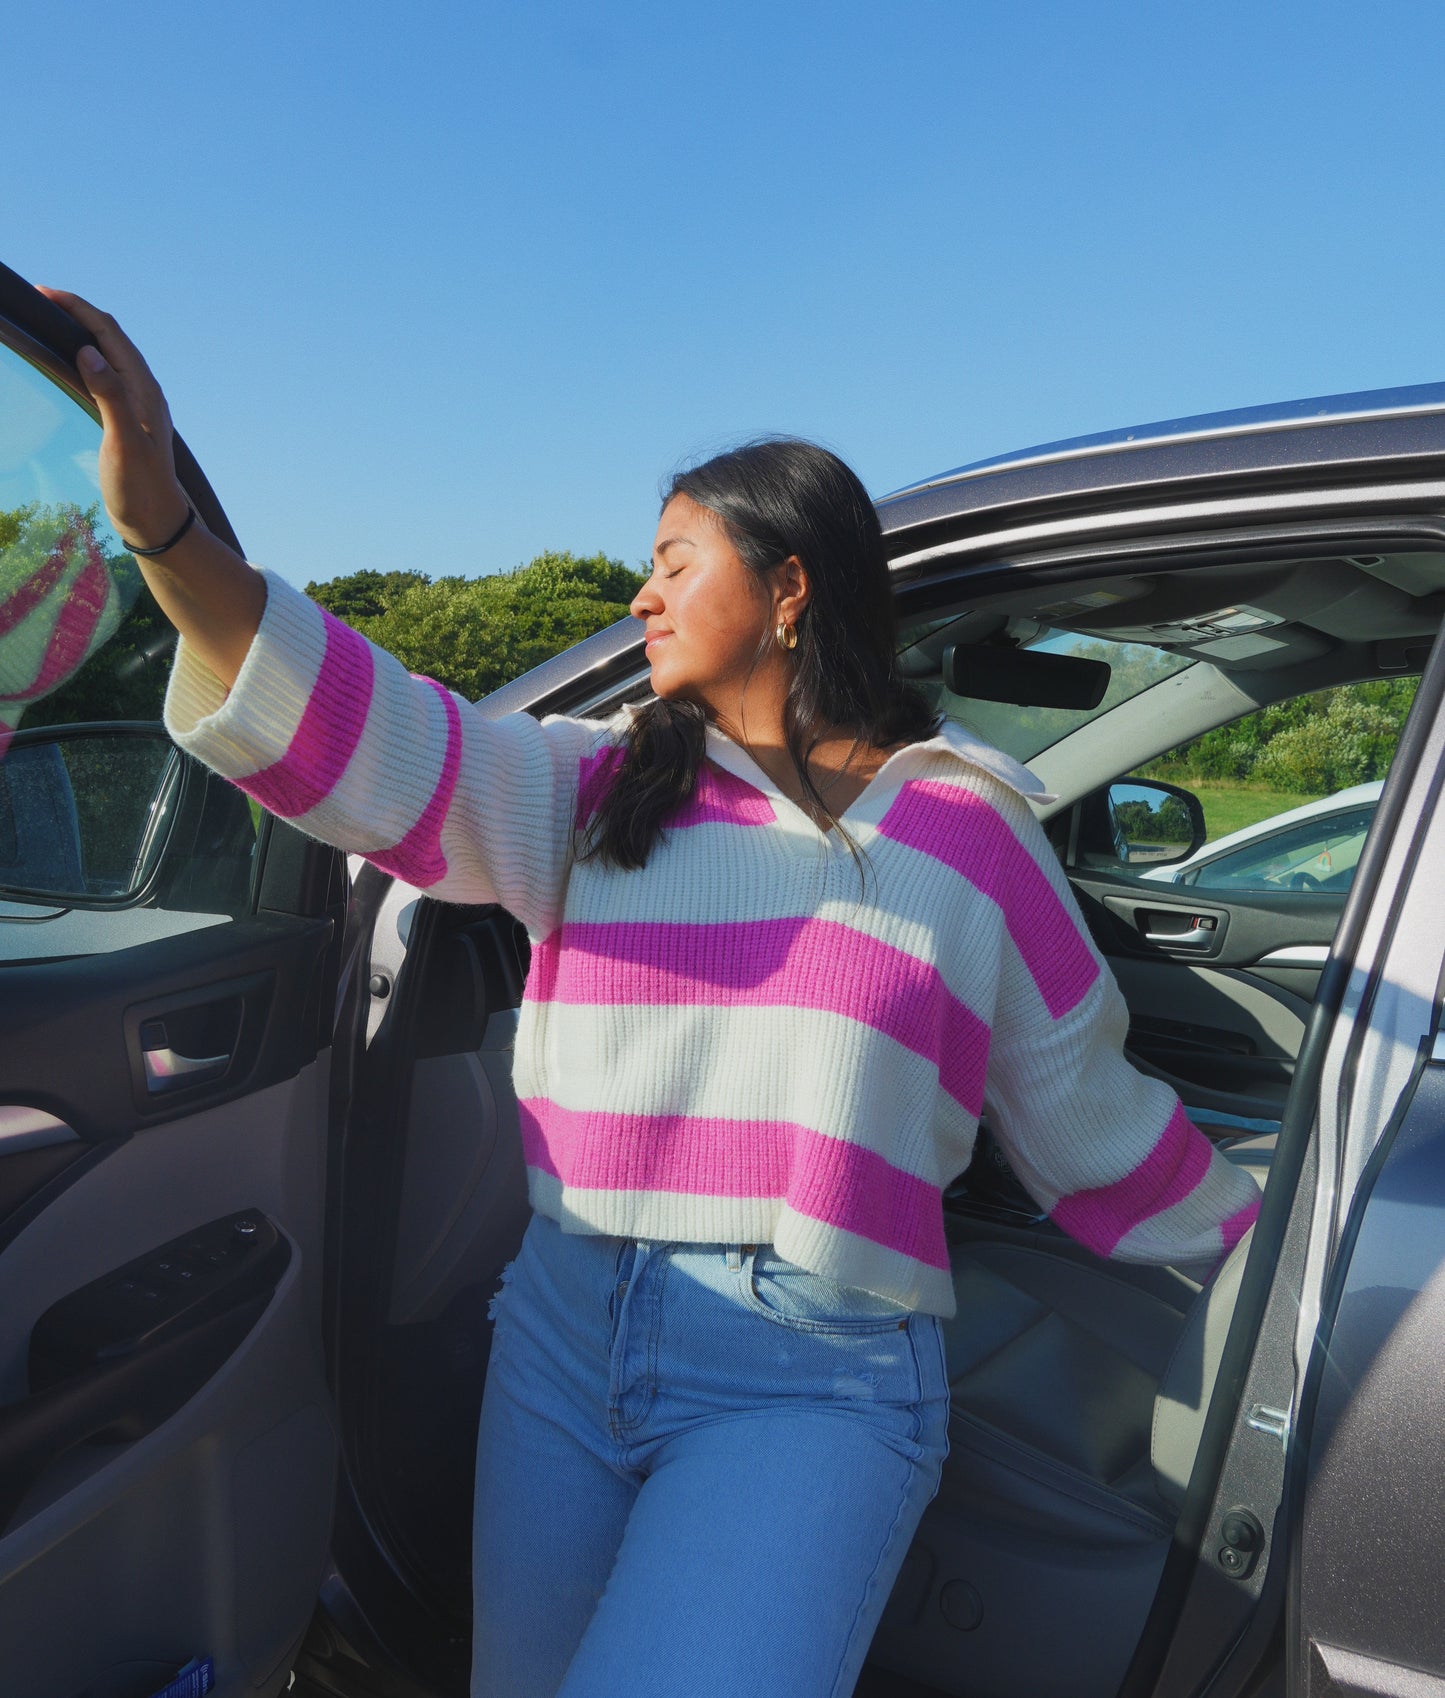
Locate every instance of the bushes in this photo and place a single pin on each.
(1312, 745)
(1352, 742)
(476, 634)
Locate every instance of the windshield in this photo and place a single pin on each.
(1024, 732)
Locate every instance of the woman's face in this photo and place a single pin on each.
(706, 614)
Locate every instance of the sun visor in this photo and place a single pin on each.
(1025, 677)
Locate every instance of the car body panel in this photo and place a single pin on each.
(1374, 1500)
(1204, 463)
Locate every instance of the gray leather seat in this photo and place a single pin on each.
(1079, 1391)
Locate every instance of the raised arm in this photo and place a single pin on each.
(204, 588)
(319, 725)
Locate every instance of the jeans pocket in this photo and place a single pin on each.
(794, 1297)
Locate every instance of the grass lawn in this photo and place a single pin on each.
(1230, 804)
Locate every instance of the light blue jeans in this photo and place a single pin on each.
(699, 1471)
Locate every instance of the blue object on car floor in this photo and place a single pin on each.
(193, 1681)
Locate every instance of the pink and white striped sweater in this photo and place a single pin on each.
(732, 1045)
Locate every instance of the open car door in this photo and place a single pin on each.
(168, 972)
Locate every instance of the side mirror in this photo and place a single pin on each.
(1138, 822)
(85, 812)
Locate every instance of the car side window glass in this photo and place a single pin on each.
(1288, 792)
(1315, 854)
(108, 835)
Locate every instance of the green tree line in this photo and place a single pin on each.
(476, 634)
(1311, 745)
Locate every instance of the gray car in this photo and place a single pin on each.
(260, 1166)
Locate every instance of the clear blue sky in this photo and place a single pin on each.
(443, 285)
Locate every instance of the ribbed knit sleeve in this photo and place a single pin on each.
(327, 730)
(1107, 1150)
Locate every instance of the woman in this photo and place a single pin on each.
(785, 931)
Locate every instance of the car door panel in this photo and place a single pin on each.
(1208, 1014)
(178, 1481)
(89, 1009)
(167, 1474)
(1131, 917)
(1222, 1040)
(1374, 1481)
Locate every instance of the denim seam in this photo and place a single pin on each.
(915, 1403)
(661, 1257)
(853, 1329)
(655, 1330)
(834, 1691)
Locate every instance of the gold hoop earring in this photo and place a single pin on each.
(786, 635)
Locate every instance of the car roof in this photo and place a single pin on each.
(1275, 415)
(1376, 426)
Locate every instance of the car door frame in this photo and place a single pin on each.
(1209, 1629)
(1231, 1626)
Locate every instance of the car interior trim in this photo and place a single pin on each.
(597, 674)
(1281, 504)
(24, 1128)
(1296, 955)
(1218, 1117)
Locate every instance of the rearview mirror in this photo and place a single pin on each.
(1025, 677)
(1139, 822)
(85, 811)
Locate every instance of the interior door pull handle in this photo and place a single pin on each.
(165, 1070)
(1200, 934)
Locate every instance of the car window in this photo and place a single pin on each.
(1314, 854)
(1024, 732)
(1288, 792)
(108, 835)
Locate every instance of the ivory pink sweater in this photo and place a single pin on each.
(733, 1045)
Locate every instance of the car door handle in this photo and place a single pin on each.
(1200, 934)
(166, 1069)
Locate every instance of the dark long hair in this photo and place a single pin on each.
(777, 497)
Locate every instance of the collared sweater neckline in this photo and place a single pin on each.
(872, 801)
